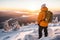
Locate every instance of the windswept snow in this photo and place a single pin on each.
(30, 32)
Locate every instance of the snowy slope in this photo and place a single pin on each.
(8, 35)
(30, 32)
(53, 33)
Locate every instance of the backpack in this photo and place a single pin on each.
(49, 16)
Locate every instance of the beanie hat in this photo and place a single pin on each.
(43, 5)
(44, 8)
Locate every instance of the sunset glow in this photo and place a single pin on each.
(28, 4)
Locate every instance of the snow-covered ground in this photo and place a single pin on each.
(30, 32)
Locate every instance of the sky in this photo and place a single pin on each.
(29, 4)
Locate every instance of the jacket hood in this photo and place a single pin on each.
(44, 9)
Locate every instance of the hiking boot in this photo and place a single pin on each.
(39, 37)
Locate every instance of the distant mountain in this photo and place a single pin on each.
(5, 15)
(56, 12)
(10, 13)
(23, 16)
(57, 15)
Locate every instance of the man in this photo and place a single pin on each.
(43, 20)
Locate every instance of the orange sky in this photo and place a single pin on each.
(31, 5)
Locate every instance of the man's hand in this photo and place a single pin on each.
(38, 24)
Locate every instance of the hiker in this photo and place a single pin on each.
(44, 18)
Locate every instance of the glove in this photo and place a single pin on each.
(38, 24)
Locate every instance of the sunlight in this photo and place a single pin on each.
(32, 8)
(29, 5)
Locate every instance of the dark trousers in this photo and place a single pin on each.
(40, 31)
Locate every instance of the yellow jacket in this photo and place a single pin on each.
(41, 17)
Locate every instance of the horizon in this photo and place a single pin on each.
(29, 5)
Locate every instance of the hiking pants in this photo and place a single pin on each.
(40, 31)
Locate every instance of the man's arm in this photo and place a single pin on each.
(41, 17)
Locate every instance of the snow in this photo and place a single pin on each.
(6, 35)
(30, 32)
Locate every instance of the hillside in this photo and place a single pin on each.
(5, 15)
